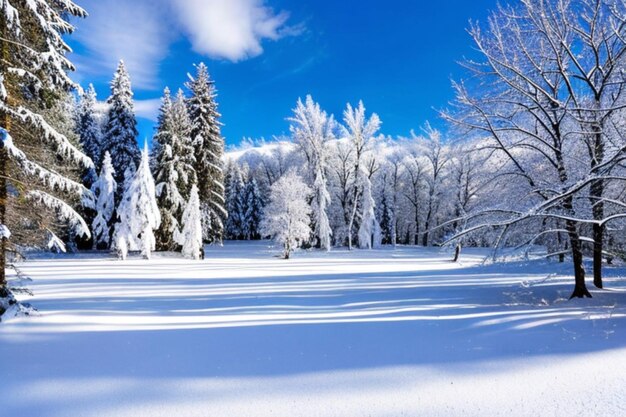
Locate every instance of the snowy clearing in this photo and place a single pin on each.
(362, 333)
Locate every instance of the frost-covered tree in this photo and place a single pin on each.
(190, 239)
(286, 216)
(88, 125)
(311, 129)
(104, 190)
(33, 74)
(369, 225)
(209, 149)
(138, 213)
(120, 131)
(173, 165)
(386, 217)
(359, 130)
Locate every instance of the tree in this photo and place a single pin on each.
(138, 213)
(33, 74)
(209, 149)
(359, 130)
(253, 206)
(235, 202)
(173, 165)
(104, 190)
(191, 236)
(286, 216)
(369, 224)
(120, 131)
(88, 126)
(311, 129)
(548, 64)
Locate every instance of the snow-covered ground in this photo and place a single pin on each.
(363, 333)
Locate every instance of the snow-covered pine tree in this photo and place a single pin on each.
(120, 131)
(311, 129)
(104, 190)
(386, 220)
(209, 149)
(31, 37)
(173, 165)
(235, 202)
(88, 129)
(190, 238)
(287, 215)
(138, 212)
(253, 206)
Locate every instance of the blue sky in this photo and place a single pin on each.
(398, 56)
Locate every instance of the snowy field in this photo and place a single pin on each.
(363, 333)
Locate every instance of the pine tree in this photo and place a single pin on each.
(138, 213)
(253, 205)
(173, 164)
(386, 220)
(209, 149)
(235, 202)
(33, 73)
(191, 236)
(104, 189)
(88, 126)
(120, 131)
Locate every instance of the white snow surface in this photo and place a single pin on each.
(384, 332)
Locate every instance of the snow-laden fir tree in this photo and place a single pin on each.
(190, 239)
(385, 214)
(173, 165)
(235, 201)
(33, 72)
(253, 206)
(88, 126)
(369, 229)
(287, 215)
(209, 150)
(120, 131)
(311, 129)
(138, 213)
(104, 190)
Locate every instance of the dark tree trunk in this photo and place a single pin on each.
(457, 252)
(596, 191)
(580, 288)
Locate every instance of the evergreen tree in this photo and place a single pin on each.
(369, 225)
(104, 189)
(235, 202)
(209, 149)
(88, 127)
(191, 237)
(33, 74)
(138, 213)
(253, 205)
(120, 131)
(173, 165)
(386, 220)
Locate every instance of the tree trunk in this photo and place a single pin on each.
(580, 288)
(457, 252)
(596, 191)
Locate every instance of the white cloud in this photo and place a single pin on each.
(148, 109)
(230, 29)
(141, 32)
(134, 31)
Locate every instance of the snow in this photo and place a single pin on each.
(346, 333)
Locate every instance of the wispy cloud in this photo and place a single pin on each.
(141, 32)
(148, 109)
(134, 31)
(231, 29)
